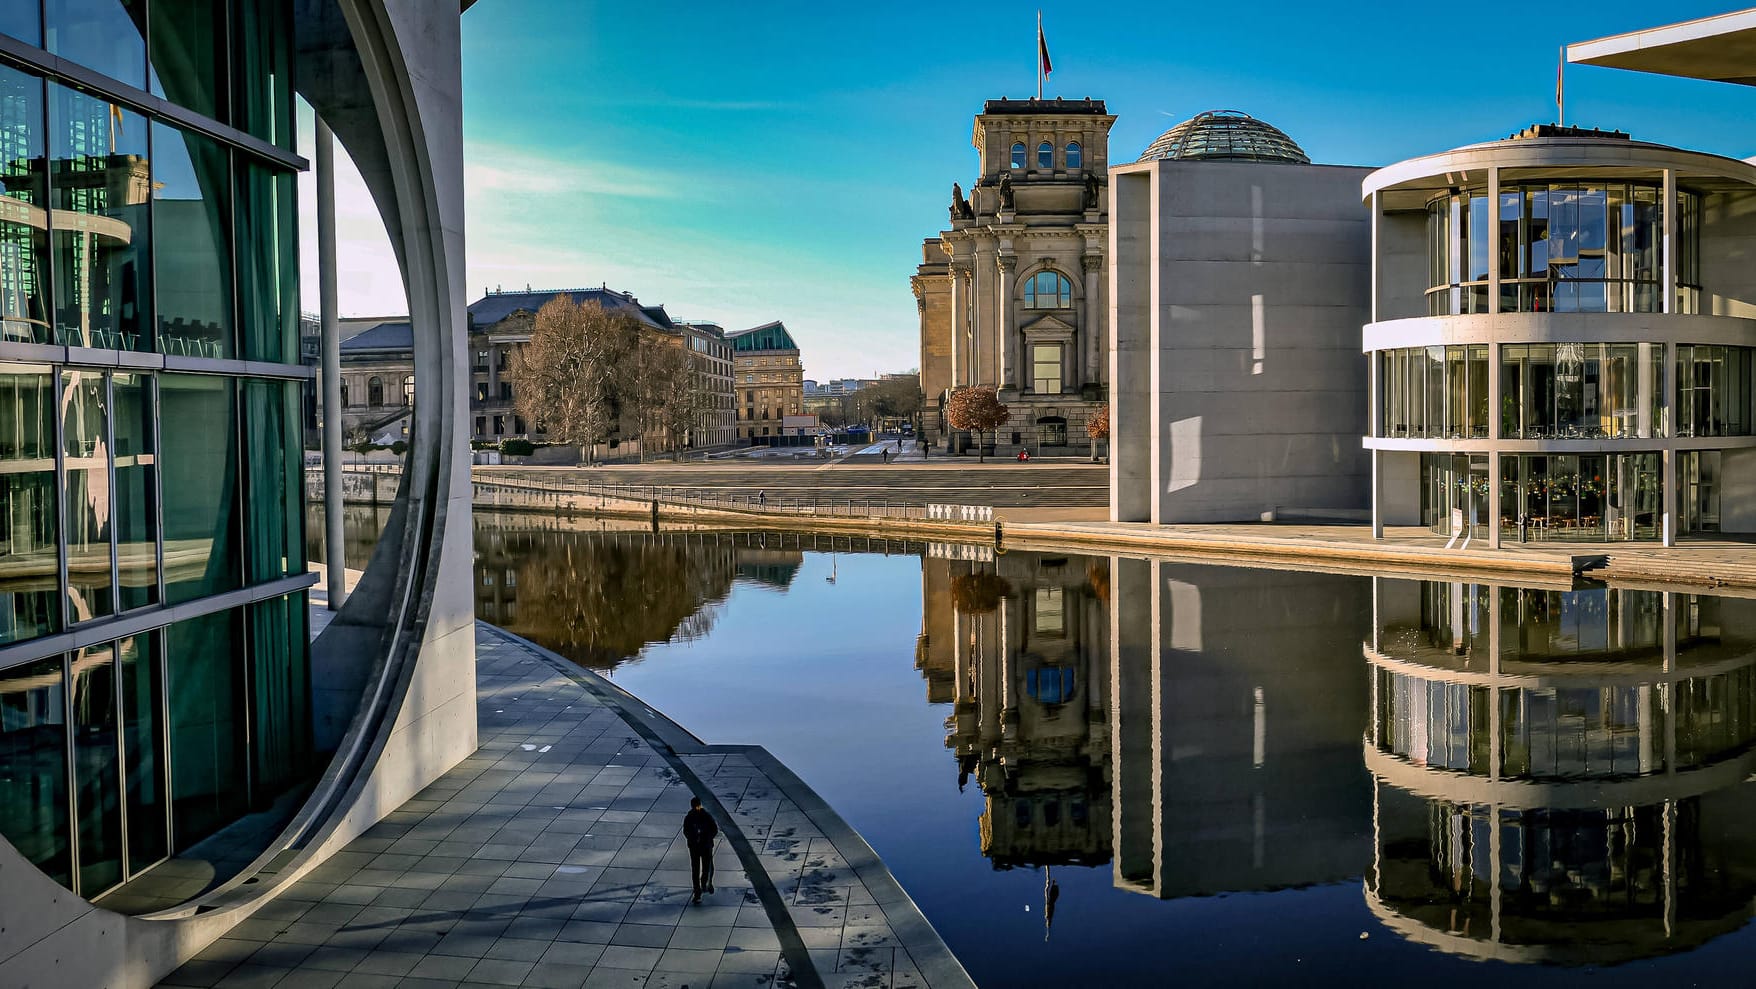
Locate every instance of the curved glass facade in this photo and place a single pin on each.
(131, 485)
(1567, 246)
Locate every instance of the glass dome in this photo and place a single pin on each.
(1226, 135)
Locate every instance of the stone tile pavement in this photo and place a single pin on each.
(553, 857)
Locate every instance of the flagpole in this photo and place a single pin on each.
(1039, 54)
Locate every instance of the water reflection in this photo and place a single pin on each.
(1531, 775)
(1556, 772)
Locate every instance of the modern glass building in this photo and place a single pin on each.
(1561, 340)
(154, 682)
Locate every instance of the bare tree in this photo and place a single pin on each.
(576, 372)
(670, 397)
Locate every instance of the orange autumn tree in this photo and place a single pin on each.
(977, 409)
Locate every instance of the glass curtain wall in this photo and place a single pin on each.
(1585, 497)
(1434, 392)
(1713, 390)
(1566, 246)
(123, 232)
(1582, 391)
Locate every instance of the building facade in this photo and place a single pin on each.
(769, 379)
(1238, 272)
(1014, 295)
(710, 353)
(1561, 340)
(160, 696)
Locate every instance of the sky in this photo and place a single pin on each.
(742, 163)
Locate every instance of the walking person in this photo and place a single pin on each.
(761, 499)
(699, 830)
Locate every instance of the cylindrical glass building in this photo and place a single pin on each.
(1575, 362)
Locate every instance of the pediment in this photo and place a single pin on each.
(1049, 328)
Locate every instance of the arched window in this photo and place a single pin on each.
(1048, 290)
(408, 389)
(375, 391)
(1018, 156)
(1045, 155)
(344, 393)
(1072, 155)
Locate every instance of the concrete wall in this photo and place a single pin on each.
(1737, 491)
(1133, 284)
(1261, 281)
(1402, 488)
(1402, 273)
(1728, 254)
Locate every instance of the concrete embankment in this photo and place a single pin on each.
(1720, 566)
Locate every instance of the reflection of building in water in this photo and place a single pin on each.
(598, 598)
(763, 559)
(1234, 735)
(1193, 725)
(1020, 648)
(1556, 771)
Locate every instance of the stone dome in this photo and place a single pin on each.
(1229, 135)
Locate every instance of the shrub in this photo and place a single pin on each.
(517, 447)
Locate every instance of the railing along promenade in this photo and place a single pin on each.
(376, 484)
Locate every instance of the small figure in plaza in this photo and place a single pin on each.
(1523, 527)
(699, 830)
(762, 497)
(1023, 455)
(886, 452)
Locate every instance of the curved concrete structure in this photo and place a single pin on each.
(386, 75)
(1560, 338)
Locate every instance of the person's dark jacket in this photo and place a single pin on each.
(699, 830)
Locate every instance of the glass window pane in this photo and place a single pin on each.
(275, 523)
(199, 466)
(1073, 155)
(281, 684)
(136, 479)
(33, 748)
(24, 196)
(87, 509)
(143, 723)
(192, 237)
(97, 781)
(29, 561)
(23, 21)
(1018, 156)
(189, 55)
(106, 35)
(1045, 155)
(101, 184)
(262, 72)
(209, 784)
(268, 257)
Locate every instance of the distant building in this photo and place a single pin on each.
(770, 381)
(1240, 271)
(711, 354)
(1014, 294)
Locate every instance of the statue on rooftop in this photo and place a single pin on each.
(960, 208)
(1093, 192)
(1006, 202)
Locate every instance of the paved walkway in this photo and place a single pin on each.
(552, 857)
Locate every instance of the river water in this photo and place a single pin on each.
(1093, 771)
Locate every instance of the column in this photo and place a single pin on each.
(1494, 272)
(1011, 366)
(1093, 332)
(1377, 494)
(1495, 414)
(1377, 261)
(1668, 215)
(959, 327)
(1493, 498)
(986, 348)
(335, 574)
(1670, 521)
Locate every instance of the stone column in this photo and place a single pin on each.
(1005, 264)
(959, 327)
(1668, 216)
(987, 341)
(1092, 333)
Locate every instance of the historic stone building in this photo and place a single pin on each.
(1015, 294)
(711, 355)
(769, 378)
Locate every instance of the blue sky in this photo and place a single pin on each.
(748, 162)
